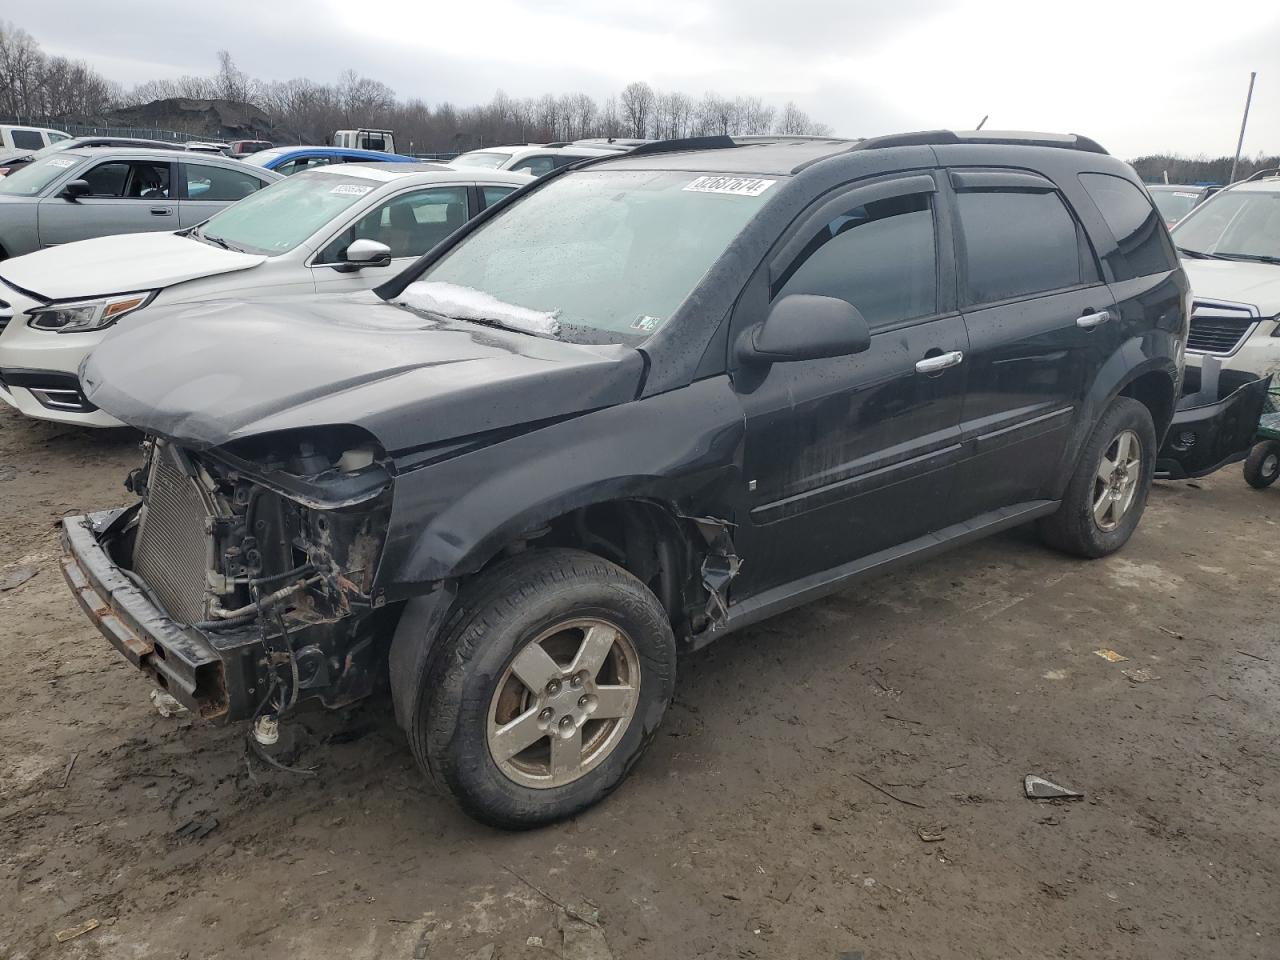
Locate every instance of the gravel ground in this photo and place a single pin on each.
(843, 780)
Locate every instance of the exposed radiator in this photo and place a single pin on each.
(172, 550)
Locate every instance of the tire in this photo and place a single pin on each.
(1263, 465)
(1076, 528)
(578, 609)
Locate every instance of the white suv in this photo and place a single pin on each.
(1230, 246)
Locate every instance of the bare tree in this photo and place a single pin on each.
(232, 83)
(21, 67)
(637, 105)
(795, 121)
(753, 116)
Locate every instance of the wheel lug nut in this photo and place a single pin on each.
(553, 687)
(566, 724)
(584, 702)
(576, 681)
(546, 714)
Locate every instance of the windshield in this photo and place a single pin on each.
(490, 161)
(612, 253)
(1234, 225)
(33, 178)
(1174, 204)
(278, 218)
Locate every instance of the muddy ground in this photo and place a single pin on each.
(751, 828)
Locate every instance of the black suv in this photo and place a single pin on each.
(641, 403)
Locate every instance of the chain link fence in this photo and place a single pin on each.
(86, 130)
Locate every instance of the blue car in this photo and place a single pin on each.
(288, 160)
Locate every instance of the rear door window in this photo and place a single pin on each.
(219, 183)
(1017, 244)
(880, 256)
(1135, 223)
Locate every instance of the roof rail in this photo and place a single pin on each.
(683, 143)
(1066, 141)
(778, 137)
(1262, 174)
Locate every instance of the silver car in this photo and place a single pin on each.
(79, 194)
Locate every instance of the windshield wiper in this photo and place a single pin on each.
(1250, 257)
(1199, 254)
(217, 241)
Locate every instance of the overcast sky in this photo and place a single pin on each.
(1140, 78)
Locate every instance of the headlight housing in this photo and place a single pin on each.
(80, 315)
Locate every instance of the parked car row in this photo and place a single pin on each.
(332, 229)
(607, 413)
(79, 193)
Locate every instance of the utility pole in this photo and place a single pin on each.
(1240, 143)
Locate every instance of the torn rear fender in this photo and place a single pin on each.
(1207, 437)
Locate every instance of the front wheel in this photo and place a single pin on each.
(1263, 465)
(1108, 491)
(548, 681)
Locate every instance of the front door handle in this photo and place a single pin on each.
(161, 211)
(1091, 320)
(939, 362)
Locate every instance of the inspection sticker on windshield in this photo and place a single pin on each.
(60, 162)
(1189, 196)
(351, 190)
(739, 186)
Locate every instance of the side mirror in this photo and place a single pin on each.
(77, 189)
(805, 327)
(365, 253)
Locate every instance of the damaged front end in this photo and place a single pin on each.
(243, 579)
(1211, 430)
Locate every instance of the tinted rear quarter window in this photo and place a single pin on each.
(1017, 244)
(1136, 224)
(27, 140)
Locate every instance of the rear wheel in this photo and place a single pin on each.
(1107, 493)
(549, 679)
(1263, 465)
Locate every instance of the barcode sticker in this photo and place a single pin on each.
(738, 186)
(351, 190)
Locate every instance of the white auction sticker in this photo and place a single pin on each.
(738, 186)
(351, 189)
(60, 162)
(1189, 196)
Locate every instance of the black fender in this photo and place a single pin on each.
(1134, 359)
(411, 645)
(682, 449)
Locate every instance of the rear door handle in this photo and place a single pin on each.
(161, 211)
(940, 362)
(1090, 320)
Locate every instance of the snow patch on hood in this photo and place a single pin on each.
(464, 303)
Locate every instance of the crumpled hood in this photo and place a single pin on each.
(1255, 284)
(215, 372)
(120, 264)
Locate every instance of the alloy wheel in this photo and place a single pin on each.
(564, 702)
(1115, 485)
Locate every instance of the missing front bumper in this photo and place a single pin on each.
(210, 675)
